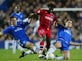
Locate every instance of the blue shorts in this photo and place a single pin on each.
(23, 42)
(65, 44)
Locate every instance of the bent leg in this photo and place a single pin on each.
(66, 54)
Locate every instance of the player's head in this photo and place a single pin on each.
(68, 23)
(13, 20)
(51, 7)
(17, 9)
(33, 17)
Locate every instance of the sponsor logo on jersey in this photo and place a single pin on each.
(18, 29)
(48, 18)
(67, 31)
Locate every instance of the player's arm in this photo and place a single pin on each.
(26, 20)
(40, 11)
(5, 31)
(75, 43)
(30, 18)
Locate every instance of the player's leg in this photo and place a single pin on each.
(42, 47)
(36, 43)
(28, 45)
(20, 48)
(42, 35)
(65, 51)
(48, 41)
(66, 54)
(48, 38)
(53, 47)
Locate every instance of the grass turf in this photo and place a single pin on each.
(6, 55)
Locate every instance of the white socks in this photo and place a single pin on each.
(51, 50)
(34, 48)
(28, 52)
(59, 58)
(20, 48)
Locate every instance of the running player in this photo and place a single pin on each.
(47, 18)
(63, 41)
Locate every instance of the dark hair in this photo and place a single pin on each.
(34, 16)
(68, 20)
(12, 17)
(51, 7)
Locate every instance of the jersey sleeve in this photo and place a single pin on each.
(40, 12)
(7, 30)
(25, 22)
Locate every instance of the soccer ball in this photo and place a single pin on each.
(50, 56)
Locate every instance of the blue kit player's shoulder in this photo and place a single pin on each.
(7, 30)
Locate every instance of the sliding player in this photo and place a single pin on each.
(36, 43)
(18, 33)
(63, 41)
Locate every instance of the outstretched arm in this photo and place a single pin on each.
(28, 20)
(76, 44)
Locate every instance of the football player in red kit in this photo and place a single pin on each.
(47, 18)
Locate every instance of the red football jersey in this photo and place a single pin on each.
(46, 19)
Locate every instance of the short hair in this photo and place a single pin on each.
(33, 15)
(12, 17)
(68, 20)
(51, 7)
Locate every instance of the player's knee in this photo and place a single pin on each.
(29, 44)
(66, 58)
(57, 44)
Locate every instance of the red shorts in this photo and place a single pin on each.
(44, 32)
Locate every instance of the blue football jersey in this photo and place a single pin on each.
(64, 33)
(17, 32)
(19, 16)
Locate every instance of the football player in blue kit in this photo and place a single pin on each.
(18, 14)
(18, 32)
(63, 40)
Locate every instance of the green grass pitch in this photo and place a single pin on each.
(6, 55)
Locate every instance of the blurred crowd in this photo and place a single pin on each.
(29, 6)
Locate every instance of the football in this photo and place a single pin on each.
(50, 56)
